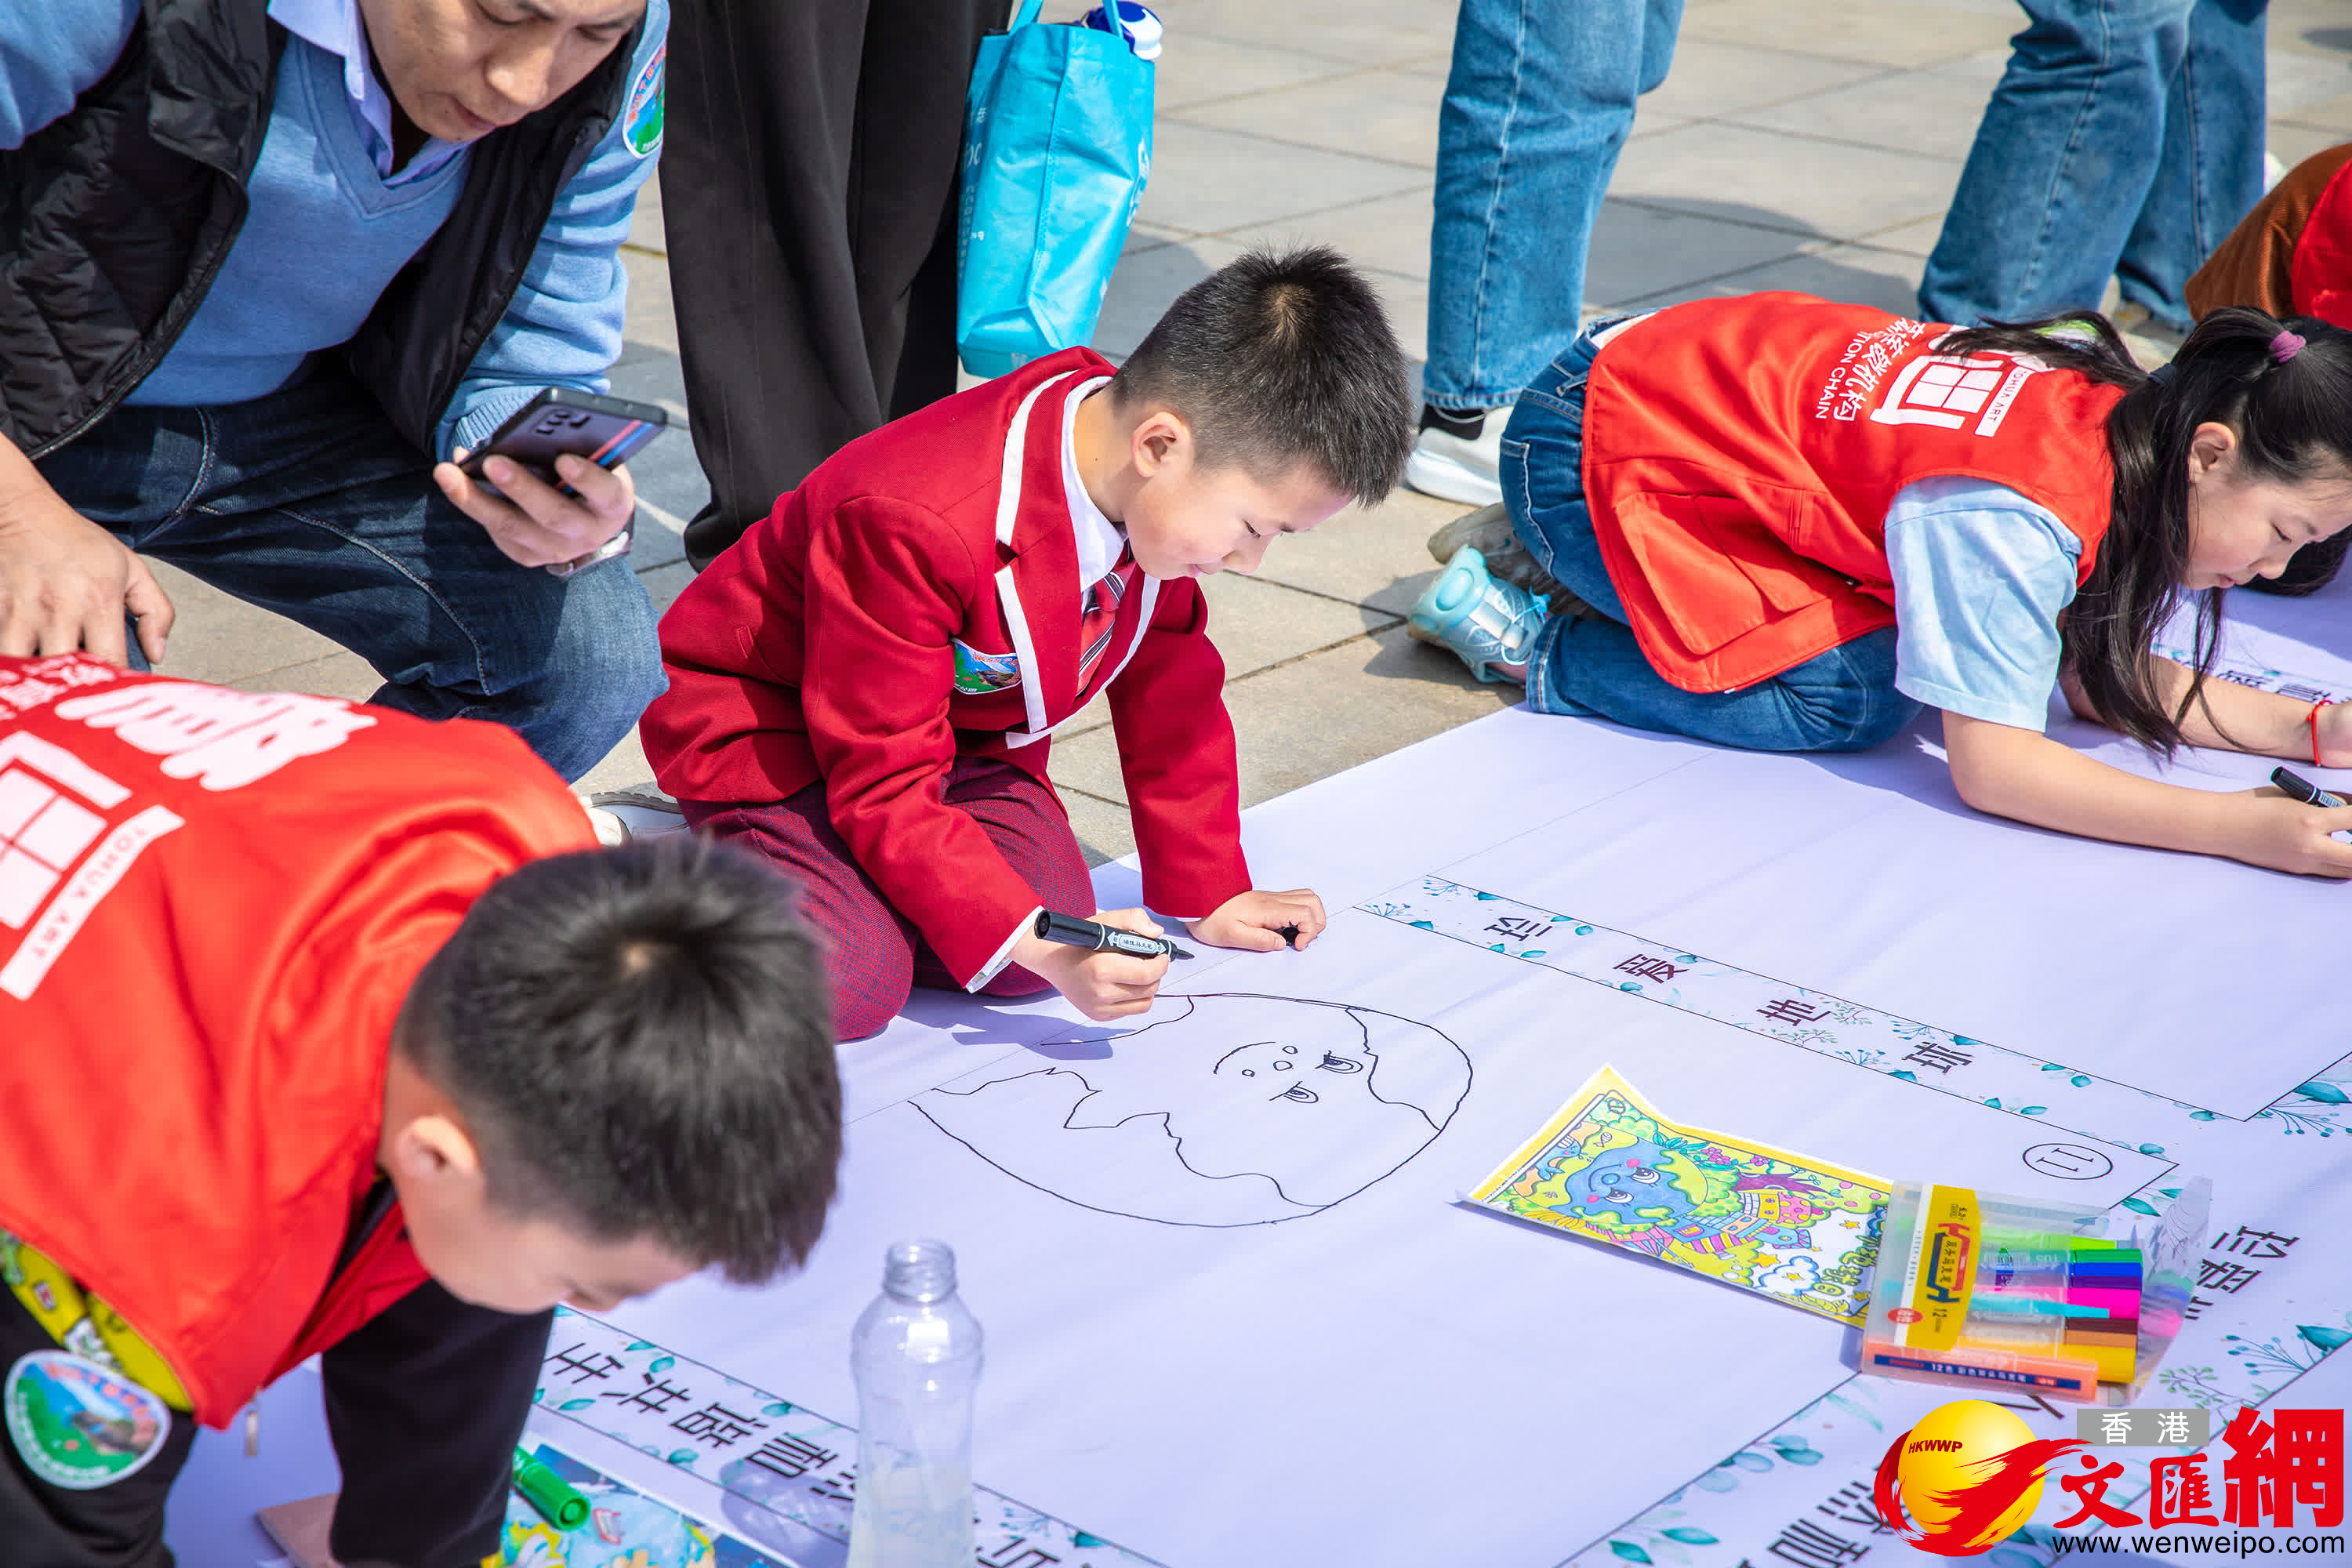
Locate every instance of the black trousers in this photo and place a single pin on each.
(425, 1404)
(808, 193)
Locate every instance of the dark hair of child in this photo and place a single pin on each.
(2293, 419)
(641, 1042)
(1280, 357)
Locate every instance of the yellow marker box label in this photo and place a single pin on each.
(1943, 1267)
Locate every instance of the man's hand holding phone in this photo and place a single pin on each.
(531, 521)
(549, 486)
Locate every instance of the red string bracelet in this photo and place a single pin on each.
(2313, 720)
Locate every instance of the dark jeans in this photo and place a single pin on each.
(307, 502)
(809, 181)
(425, 1403)
(1842, 700)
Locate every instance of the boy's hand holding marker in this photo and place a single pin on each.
(1104, 983)
(1101, 983)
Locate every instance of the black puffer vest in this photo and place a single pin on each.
(114, 220)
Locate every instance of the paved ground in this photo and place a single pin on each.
(1805, 144)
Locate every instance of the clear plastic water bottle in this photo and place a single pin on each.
(916, 1355)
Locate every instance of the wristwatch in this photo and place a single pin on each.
(617, 545)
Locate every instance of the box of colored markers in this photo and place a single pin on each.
(1976, 1288)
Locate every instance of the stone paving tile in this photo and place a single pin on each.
(1797, 182)
(1198, 68)
(1105, 831)
(1256, 624)
(1376, 557)
(1933, 112)
(337, 674)
(1205, 181)
(1311, 718)
(1858, 274)
(1388, 234)
(1638, 249)
(1384, 114)
(1880, 34)
(1368, 32)
(1711, 78)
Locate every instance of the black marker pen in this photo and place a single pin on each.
(2304, 790)
(1074, 932)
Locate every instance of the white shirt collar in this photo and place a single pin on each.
(1100, 542)
(335, 26)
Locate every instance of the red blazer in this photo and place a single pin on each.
(212, 905)
(823, 645)
(1740, 455)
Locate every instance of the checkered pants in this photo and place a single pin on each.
(876, 956)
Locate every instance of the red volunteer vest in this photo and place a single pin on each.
(2320, 272)
(211, 904)
(1740, 455)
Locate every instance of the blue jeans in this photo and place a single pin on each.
(1538, 102)
(307, 502)
(1842, 700)
(2126, 138)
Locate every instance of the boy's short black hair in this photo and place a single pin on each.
(641, 1042)
(1278, 358)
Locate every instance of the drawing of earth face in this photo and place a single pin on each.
(1634, 1183)
(1219, 1110)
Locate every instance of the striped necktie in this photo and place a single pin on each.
(1098, 616)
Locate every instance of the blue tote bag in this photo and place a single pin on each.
(1058, 143)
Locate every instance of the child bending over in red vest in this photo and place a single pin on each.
(2291, 255)
(1785, 524)
(325, 1029)
(862, 687)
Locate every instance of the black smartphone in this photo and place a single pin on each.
(607, 431)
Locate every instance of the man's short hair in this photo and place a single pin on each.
(641, 1042)
(1278, 358)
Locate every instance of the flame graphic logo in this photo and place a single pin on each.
(1964, 1479)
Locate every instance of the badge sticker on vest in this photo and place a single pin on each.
(977, 672)
(641, 122)
(79, 1426)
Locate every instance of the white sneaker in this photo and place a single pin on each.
(1454, 468)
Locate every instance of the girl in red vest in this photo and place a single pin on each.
(1780, 523)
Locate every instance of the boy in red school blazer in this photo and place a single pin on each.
(863, 687)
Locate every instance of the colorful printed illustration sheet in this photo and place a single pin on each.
(1611, 1169)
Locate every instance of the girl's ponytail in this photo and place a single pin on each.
(2283, 388)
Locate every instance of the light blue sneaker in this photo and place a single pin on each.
(1484, 620)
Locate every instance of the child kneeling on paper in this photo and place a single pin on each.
(329, 1030)
(863, 686)
(1784, 524)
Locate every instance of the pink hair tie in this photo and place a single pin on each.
(2284, 347)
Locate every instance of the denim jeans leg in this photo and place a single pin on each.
(2210, 174)
(1538, 102)
(2062, 161)
(313, 507)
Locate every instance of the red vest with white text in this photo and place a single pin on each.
(211, 904)
(1740, 455)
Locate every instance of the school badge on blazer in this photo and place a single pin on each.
(977, 673)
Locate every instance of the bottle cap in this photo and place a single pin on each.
(1139, 25)
(549, 1493)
